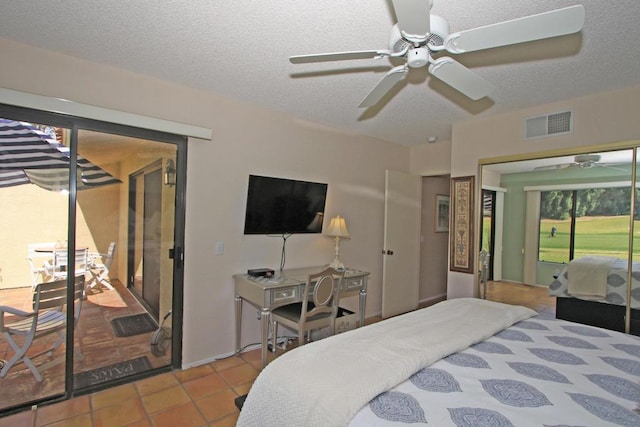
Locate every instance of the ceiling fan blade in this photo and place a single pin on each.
(413, 18)
(339, 56)
(535, 27)
(388, 81)
(553, 167)
(460, 78)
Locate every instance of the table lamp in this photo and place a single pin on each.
(338, 229)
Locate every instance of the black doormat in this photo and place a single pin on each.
(133, 325)
(111, 372)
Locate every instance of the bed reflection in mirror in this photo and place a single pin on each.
(549, 210)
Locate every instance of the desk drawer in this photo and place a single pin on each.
(284, 296)
(354, 283)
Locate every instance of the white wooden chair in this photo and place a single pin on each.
(100, 270)
(48, 317)
(318, 309)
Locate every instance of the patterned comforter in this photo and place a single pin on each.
(538, 372)
(616, 284)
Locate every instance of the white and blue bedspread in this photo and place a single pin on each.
(616, 284)
(538, 372)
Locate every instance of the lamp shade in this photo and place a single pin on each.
(338, 228)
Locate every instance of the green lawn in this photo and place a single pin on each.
(607, 236)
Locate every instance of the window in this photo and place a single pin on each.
(576, 223)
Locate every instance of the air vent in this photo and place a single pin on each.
(549, 125)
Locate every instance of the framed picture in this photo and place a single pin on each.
(442, 214)
(461, 234)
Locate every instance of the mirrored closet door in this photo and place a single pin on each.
(563, 211)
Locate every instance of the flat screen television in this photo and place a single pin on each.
(284, 206)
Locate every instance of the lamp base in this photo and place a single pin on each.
(336, 264)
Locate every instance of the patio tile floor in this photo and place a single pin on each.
(95, 341)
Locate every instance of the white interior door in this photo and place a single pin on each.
(401, 252)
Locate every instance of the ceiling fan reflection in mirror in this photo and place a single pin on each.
(583, 161)
(418, 36)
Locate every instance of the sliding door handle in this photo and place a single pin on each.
(177, 255)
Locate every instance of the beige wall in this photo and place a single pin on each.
(606, 118)
(431, 159)
(246, 140)
(29, 214)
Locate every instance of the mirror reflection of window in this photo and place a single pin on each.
(585, 222)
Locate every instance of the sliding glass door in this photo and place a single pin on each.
(68, 219)
(34, 184)
(115, 231)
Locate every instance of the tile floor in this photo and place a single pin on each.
(200, 396)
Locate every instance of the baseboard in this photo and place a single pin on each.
(434, 299)
(185, 366)
(519, 283)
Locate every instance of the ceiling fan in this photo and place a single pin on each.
(418, 36)
(583, 161)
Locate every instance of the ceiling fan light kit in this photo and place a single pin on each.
(418, 57)
(418, 35)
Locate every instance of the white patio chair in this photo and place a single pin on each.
(49, 316)
(60, 264)
(37, 255)
(99, 266)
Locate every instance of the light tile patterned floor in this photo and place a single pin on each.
(200, 396)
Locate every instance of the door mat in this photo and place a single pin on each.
(133, 325)
(111, 372)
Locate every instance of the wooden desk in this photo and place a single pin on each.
(286, 288)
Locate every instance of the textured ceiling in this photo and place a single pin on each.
(241, 50)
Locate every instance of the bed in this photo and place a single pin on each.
(605, 308)
(462, 362)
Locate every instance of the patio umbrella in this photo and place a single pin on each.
(29, 155)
